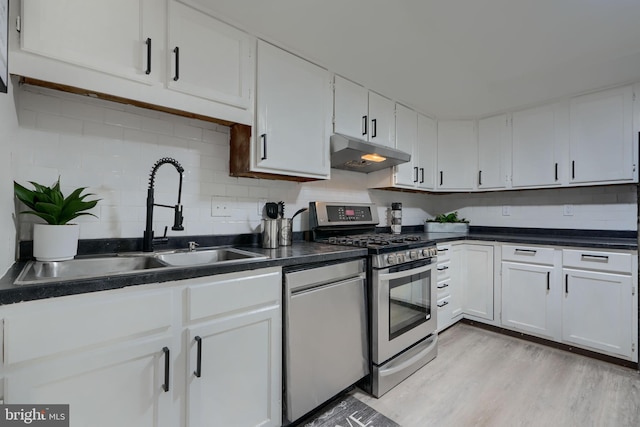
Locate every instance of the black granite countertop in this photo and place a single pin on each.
(302, 252)
(296, 254)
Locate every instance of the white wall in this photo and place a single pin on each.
(111, 148)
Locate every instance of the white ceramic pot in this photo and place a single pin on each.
(55, 242)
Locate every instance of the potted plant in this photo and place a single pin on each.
(447, 223)
(57, 240)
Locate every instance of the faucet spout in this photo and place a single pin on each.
(148, 238)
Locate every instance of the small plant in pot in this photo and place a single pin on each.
(57, 240)
(447, 223)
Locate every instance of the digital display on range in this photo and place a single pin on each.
(348, 213)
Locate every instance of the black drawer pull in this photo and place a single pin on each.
(374, 128)
(556, 171)
(479, 178)
(148, 70)
(364, 125)
(176, 50)
(443, 268)
(198, 371)
(264, 146)
(566, 283)
(526, 251)
(421, 175)
(548, 280)
(415, 172)
(441, 177)
(444, 285)
(167, 365)
(598, 258)
(443, 304)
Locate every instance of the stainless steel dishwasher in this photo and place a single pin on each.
(325, 331)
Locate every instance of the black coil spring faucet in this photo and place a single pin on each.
(148, 239)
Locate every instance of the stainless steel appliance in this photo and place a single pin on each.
(325, 349)
(362, 156)
(401, 287)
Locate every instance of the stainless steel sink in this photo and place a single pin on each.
(207, 256)
(51, 271)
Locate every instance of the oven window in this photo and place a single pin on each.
(409, 302)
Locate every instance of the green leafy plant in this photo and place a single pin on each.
(451, 217)
(50, 204)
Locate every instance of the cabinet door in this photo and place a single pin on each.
(534, 143)
(121, 385)
(351, 114)
(208, 58)
(494, 152)
(105, 36)
(293, 115)
(459, 277)
(407, 174)
(426, 152)
(238, 381)
(601, 146)
(530, 299)
(457, 155)
(382, 123)
(597, 311)
(478, 286)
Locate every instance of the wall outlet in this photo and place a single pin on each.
(568, 210)
(506, 210)
(221, 206)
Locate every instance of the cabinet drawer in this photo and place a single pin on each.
(219, 295)
(443, 288)
(49, 327)
(597, 260)
(444, 252)
(527, 254)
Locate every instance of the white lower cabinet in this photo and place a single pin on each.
(478, 283)
(128, 357)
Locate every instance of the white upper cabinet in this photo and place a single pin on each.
(427, 149)
(208, 58)
(111, 37)
(494, 152)
(407, 174)
(363, 114)
(535, 134)
(601, 142)
(457, 155)
(127, 49)
(293, 115)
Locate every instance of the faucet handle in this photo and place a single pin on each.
(192, 246)
(177, 218)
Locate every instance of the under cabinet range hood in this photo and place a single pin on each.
(361, 156)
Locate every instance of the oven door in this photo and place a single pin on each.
(404, 307)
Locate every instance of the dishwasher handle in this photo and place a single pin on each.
(311, 288)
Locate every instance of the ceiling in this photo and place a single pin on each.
(456, 58)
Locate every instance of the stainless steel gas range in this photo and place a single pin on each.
(401, 290)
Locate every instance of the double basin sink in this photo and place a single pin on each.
(36, 272)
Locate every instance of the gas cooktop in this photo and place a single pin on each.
(372, 240)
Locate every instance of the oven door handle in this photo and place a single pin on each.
(405, 273)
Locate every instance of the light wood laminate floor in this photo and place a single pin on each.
(482, 378)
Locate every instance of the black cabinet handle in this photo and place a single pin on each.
(264, 146)
(444, 285)
(556, 168)
(374, 128)
(198, 371)
(443, 250)
(443, 268)
(421, 175)
(525, 251)
(573, 169)
(415, 174)
(548, 280)
(364, 125)
(566, 283)
(167, 365)
(176, 50)
(440, 177)
(479, 178)
(148, 70)
(443, 304)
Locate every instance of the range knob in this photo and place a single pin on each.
(413, 255)
(426, 253)
(391, 259)
(400, 258)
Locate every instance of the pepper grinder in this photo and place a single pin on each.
(396, 218)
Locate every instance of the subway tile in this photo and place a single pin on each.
(122, 118)
(157, 125)
(102, 130)
(82, 111)
(58, 124)
(187, 132)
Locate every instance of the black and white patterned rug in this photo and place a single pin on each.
(349, 412)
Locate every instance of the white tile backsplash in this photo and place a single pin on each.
(111, 148)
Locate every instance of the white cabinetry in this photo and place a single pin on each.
(209, 59)
(407, 174)
(293, 122)
(599, 303)
(478, 284)
(449, 285)
(457, 155)
(114, 344)
(363, 114)
(119, 50)
(135, 349)
(601, 143)
(530, 290)
(234, 363)
(536, 133)
(494, 152)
